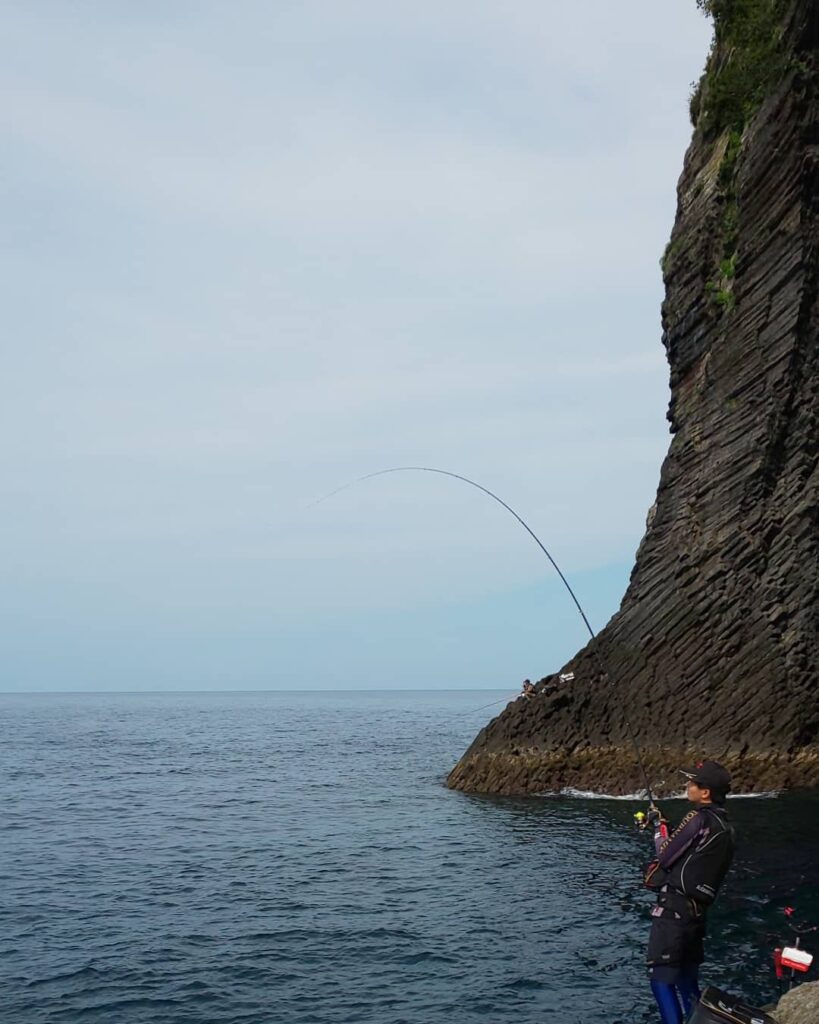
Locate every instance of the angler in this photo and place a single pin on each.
(691, 864)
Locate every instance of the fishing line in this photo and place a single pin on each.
(483, 707)
(537, 540)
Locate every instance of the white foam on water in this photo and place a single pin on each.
(769, 794)
(587, 794)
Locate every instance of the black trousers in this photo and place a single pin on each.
(676, 937)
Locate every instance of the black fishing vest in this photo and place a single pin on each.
(698, 874)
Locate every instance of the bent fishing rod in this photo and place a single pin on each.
(594, 647)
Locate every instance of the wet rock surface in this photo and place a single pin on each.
(714, 649)
(800, 1006)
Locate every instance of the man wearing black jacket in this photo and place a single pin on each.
(691, 864)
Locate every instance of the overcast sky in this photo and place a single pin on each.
(258, 249)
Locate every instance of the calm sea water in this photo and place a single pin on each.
(281, 857)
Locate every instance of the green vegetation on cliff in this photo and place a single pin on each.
(746, 62)
(748, 59)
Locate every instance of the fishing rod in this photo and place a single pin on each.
(483, 707)
(466, 480)
(536, 539)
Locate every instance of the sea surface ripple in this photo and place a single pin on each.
(295, 857)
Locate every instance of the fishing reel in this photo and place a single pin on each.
(652, 818)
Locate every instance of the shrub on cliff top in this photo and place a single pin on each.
(746, 61)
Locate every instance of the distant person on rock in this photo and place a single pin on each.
(691, 864)
(528, 690)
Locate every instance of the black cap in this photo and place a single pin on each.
(710, 775)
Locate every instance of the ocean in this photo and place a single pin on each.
(295, 857)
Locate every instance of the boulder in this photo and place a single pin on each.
(799, 1006)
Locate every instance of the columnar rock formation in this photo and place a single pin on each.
(714, 648)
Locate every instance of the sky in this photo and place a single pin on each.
(257, 250)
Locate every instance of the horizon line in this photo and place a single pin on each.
(363, 689)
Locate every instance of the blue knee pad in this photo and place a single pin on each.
(669, 1004)
(668, 996)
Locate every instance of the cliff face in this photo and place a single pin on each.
(714, 649)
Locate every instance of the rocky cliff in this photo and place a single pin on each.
(714, 649)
